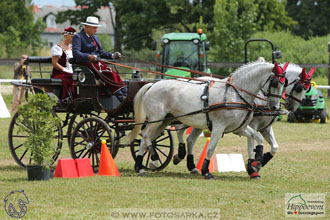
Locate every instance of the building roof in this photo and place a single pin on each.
(44, 12)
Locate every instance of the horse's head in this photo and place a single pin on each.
(276, 84)
(297, 89)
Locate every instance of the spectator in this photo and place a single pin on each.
(21, 71)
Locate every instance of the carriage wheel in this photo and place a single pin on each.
(163, 146)
(16, 140)
(86, 140)
(74, 120)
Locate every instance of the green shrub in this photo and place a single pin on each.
(37, 120)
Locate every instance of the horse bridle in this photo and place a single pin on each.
(298, 87)
(274, 82)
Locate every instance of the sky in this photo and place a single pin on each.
(54, 2)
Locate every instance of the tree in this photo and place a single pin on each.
(236, 20)
(313, 17)
(135, 20)
(17, 28)
(89, 8)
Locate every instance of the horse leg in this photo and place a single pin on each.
(255, 160)
(145, 144)
(182, 147)
(139, 158)
(215, 136)
(268, 134)
(154, 155)
(191, 140)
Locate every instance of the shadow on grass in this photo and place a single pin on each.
(11, 168)
(181, 175)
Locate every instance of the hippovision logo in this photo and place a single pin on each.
(305, 205)
(15, 204)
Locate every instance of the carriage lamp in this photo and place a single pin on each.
(81, 77)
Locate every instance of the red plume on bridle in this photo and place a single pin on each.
(305, 78)
(280, 72)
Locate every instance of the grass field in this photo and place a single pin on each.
(302, 165)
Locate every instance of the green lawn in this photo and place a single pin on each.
(301, 165)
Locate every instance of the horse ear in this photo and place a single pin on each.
(303, 75)
(276, 68)
(311, 72)
(286, 66)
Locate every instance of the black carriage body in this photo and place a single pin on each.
(87, 126)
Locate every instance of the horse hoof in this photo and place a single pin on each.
(255, 176)
(208, 176)
(195, 171)
(142, 172)
(153, 165)
(176, 159)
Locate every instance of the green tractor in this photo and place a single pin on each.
(184, 50)
(312, 108)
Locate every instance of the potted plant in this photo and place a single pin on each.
(41, 124)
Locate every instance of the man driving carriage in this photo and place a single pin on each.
(87, 50)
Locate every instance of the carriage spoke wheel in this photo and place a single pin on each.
(19, 151)
(86, 140)
(74, 120)
(163, 146)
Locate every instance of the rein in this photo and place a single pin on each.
(154, 72)
(178, 68)
(183, 77)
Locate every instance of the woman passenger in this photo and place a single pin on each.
(62, 68)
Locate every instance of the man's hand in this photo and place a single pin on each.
(92, 58)
(116, 55)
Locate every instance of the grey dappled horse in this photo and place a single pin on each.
(230, 103)
(298, 84)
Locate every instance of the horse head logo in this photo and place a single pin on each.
(298, 199)
(15, 204)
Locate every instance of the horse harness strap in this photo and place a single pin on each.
(225, 105)
(205, 99)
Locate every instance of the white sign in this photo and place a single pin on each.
(230, 163)
(4, 113)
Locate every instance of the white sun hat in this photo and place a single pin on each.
(92, 21)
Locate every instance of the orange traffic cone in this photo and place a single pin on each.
(189, 130)
(202, 158)
(107, 164)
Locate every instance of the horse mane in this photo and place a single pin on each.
(250, 64)
(292, 68)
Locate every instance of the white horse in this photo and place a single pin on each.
(229, 108)
(298, 84)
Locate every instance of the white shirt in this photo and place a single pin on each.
(58, 51)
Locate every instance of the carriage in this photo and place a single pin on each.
(94, 115)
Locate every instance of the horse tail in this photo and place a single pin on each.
(140, 115)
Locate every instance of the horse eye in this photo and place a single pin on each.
(274, 83)
(298, 88)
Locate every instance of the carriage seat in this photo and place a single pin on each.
(49, 85)
(47, 81)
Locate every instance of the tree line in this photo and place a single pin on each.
(227, 23)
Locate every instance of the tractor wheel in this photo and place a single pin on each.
(323, 116)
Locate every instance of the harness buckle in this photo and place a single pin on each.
(205, 109)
